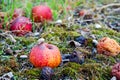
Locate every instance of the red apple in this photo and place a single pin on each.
(41, 13)
(20, 26)
(18, 12)
(0, 25)
(45, 54)
(82, 12)
(116, 71)
(68, 8)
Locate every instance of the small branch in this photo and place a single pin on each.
(109, 5)
(115, 11)
(7, 35)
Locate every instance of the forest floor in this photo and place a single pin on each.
(75, 28)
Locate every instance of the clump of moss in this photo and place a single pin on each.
(94, 71)
(4, 69)
(58, 33)
(26, 41)
(72, 65)
(83, 50)
(66, 72)
(108, 60)
(11, 63)
(31, 73)
(89, 70)
(105, 31)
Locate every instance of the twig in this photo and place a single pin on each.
(115, 11)
(6, 35)
(109, 5)
(94, 19)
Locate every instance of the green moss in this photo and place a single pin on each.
(31, 73)
(26, 41)
(73, 65)
(68, 72)
(58, 33)
(9, 62)
(94, 71)
(83, 50)
(108, 60)
(102, 32)
(89, 70)
(4, 69)
(90, 61)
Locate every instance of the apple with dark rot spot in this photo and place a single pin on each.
(45, 55)
(20, 26)
(41, 13)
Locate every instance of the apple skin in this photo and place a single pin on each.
(82, 12)
(41, 13)
(20, 26)
(116, 70)
(45, 55)
(0, 25)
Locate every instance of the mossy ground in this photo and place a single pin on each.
(95, 67)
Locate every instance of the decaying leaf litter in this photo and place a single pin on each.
(75, 34)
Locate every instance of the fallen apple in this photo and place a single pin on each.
(45, 55)
(108, 46)
(20, 26)
(82, 12)
(116, 71)
(41, 13)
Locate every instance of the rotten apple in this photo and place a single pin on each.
(41, 13)
(20, 26)
(44, 54)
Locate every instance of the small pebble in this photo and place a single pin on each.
(113, 78)
(58, 21)
(69, 18)
(98, 26)
(36, 34)
(95, 42)
(8, 51)
(92, 36)
(94, 51)
(23, 56)
(8, 76)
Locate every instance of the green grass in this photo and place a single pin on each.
(9, 6)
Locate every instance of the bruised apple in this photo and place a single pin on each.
(45, 54)
(41, 13)
(20, 26)
(108, 46)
